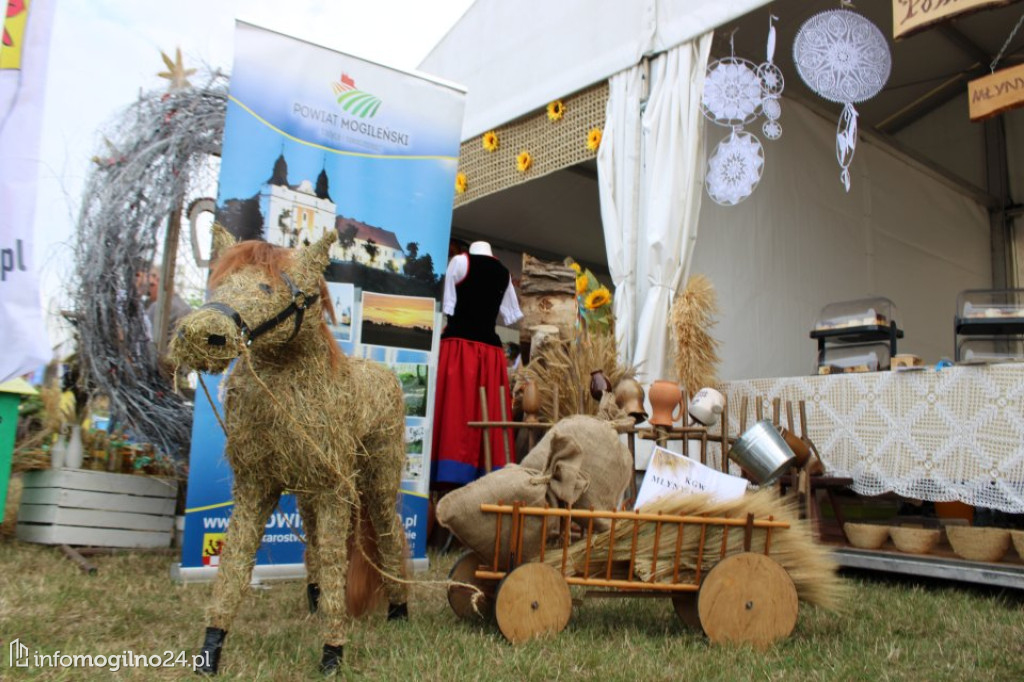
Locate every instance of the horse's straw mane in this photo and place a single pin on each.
(273, 260)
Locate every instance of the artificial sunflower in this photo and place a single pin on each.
(490, 141)
(594, 139)
(524, 161)
(460, 182)
(576, 267)
(581, 284)
(597, 298)
(556, 110)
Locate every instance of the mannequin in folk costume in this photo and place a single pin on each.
(477, 288)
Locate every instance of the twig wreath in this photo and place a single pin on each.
(158, 148)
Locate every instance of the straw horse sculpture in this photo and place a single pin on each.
(300, 416)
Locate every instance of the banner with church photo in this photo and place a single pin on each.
(317, 141)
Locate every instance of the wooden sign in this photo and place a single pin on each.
(910, 16)
(996, 93)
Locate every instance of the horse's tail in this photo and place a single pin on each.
(365, 587)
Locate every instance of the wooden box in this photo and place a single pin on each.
(96, 509)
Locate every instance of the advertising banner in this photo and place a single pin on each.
(23, 56)
(314, 141)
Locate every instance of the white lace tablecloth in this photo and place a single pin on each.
(953, 434)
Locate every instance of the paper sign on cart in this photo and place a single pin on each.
(669, 473)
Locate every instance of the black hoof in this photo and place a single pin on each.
(398, 612)
(213, 642)
(331, 659)
(313, 597)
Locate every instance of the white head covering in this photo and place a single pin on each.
(480, 249)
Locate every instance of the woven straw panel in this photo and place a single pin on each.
(553, 145)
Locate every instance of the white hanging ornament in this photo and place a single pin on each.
(772, 85)
(734, 168)
(843, 58)
(732, 92)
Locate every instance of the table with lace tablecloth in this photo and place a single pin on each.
(940, 435)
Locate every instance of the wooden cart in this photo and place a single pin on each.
(743, 597)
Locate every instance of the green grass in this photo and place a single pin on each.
(892, 630)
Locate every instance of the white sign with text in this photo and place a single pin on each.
(669, 473)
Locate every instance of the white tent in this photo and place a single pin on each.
(930, 211)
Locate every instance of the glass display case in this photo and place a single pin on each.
(871, 321)
(992, 313)
(872, 356)
(973, 350)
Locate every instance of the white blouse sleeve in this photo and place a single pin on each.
(458, 268)
(509, 309)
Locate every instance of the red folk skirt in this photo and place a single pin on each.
(457, 453)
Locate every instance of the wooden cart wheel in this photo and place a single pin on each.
(532, 600)
(461, 598)
(685, 604)
(747, 598)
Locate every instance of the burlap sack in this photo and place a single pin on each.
(590, 446)
(459, 511)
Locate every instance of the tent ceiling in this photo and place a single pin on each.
(558, 214)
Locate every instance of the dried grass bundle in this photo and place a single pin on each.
(696, 351)
(808, 563)
(567, 365)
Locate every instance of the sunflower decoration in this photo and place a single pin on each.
(461, 183)
(523, 161)
(490, 141)
(556, 110)
(594, 301)
(581, 283)
(597, 298)
(594, 139)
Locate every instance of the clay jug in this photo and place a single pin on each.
(629, 396)
(666, 402)
(531, 401)
(599, 384)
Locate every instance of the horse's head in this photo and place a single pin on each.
(263, 295)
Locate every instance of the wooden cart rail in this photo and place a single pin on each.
(587, 575)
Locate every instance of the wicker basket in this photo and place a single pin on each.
(914, 540)
(979, 544)
(1018, 541)
(866, 535)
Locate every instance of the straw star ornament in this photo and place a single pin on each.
(176, 72)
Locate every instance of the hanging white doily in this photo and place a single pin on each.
(732, 92)
(844, 58)
(734, 168)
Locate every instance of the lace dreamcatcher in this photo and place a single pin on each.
(843, 58)
(736, 93)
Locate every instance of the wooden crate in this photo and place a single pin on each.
(96, 509)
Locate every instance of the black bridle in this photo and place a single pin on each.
(301, 301)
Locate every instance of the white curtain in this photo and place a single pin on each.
(671, 190)
(618, 180)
